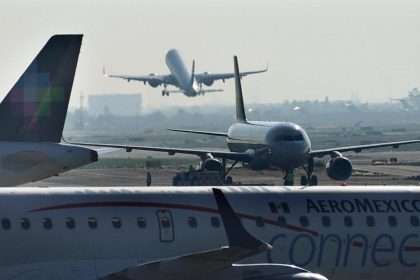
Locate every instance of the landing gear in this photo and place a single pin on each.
(309, 179)
(165, 91)
(289, 178)
(313, 180)
(303, 180)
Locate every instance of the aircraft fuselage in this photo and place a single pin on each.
(183, 77)
(286, 144)
(86, 233)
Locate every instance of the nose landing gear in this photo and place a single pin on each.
(165, 91)
(310, 179)
(289, 178)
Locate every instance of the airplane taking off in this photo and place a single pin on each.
(32, 117)
(233, 233)
(190, 84)
(262, 145)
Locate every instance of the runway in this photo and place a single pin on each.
(364, 173)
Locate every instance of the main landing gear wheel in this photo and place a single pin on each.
(309, 179)
(303, 180)
(313, 180)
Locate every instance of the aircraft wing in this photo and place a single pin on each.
(192, 266)
(246, 157)
(211, 77)
(213, 133)
(359, 148)
(152, 79)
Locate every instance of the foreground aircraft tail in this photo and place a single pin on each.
(35, 108)
(240, 108)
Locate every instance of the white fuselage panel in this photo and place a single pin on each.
(84, 233)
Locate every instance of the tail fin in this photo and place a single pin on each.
(192, 73)
(240, 108)
(35, 108)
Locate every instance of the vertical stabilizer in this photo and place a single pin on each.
(240, 108)
(35, 108)
(192, 73)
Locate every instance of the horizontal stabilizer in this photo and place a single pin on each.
(213, 133)
(210, 90)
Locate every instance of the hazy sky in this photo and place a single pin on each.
(362, 49)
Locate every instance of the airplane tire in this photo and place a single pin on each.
(303, 180)
(313, 181)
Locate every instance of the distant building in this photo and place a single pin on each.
(115, 104)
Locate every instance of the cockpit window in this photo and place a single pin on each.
(289, 137)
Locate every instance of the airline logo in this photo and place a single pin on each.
(362, 206)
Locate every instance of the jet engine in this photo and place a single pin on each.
(260, 159)
(212, 164)
(154, 83)
(208, 82)
(339, 168)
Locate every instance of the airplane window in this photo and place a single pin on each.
(6, 224)
(273, 207)
(326, 221)
(259, 222)
(141, 222)
(192, 222)
(370, 221)
(282, 221)
(215, 222)
(414, 220)
(25, 223)
(165, 223)
(285, 207)
(348, 221)
(47, 223)
(304, 221)
(92, 223)
(70, 223)
(392, 221)
(116, 222)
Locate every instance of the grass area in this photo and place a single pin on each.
(148, 162)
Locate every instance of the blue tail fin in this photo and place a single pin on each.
(35, 108)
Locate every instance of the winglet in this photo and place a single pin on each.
(237, 235)
(240, 108)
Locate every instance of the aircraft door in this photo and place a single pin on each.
(166, 225)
